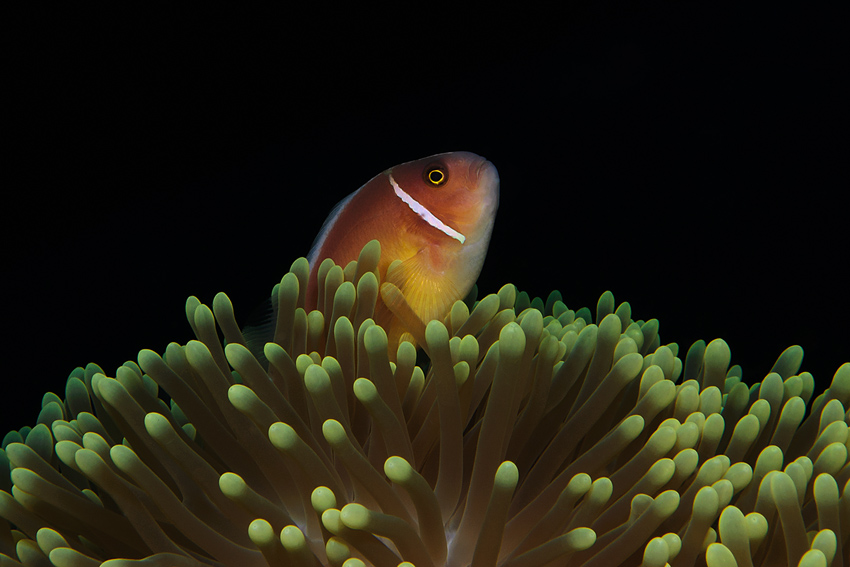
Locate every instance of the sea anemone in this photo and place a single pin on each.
(531, 435)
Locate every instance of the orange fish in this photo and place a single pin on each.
(435, 215)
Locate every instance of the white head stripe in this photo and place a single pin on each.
(424, 213)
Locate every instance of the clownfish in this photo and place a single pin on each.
(434, 215)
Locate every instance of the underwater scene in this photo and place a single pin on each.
(456, 289)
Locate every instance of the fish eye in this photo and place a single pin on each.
(436, 175)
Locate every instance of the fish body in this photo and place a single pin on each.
(435, 215)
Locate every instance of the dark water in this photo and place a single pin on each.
(685, 158)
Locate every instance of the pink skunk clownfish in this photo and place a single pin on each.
(433, 215)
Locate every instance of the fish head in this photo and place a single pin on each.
(455, 193)
(445, 208)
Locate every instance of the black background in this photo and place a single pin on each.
(685, 156)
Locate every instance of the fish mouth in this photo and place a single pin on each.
(487, 175)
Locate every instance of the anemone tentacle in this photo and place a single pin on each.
(536, 435)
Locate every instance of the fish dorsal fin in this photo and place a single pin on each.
(327, 226)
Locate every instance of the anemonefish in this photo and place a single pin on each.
(435, 215)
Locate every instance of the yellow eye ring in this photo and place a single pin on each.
(435, 175)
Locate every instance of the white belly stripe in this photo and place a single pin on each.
(424, 213)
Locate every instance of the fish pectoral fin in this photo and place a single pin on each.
(427, 292)
(395, 301)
